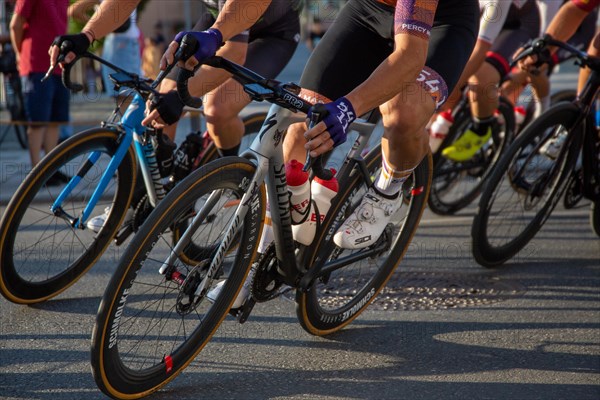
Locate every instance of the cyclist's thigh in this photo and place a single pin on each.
(356, 43)
(269, 55)
(450, 45)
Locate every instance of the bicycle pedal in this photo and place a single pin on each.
(242, 313)
(123, 234)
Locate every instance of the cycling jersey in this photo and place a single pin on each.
(362, 37)
(586, 5)
(500, 14)
(507, 25)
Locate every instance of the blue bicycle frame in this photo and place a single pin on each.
(132, 131)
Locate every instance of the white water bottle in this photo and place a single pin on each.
(322, 192)
(267, 236)
(520, 114)
(439, 129)
(299, 188)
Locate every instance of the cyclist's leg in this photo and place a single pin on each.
(406, 142)
(335, 68)
(267, 56)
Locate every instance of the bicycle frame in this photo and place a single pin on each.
(267, 153)
(131, 129)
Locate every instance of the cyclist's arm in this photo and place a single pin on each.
(238, 15)
(569, 17)
(80, 11)
(406, 62)
(110, 15)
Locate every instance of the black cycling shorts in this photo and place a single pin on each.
(521, 26)
(362, 37)
(269, 48)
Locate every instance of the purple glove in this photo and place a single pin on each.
(209, 42)
(340, 115)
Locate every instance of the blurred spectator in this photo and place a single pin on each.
(316, 33)
(120, 48)
(151, 55)
(33, 27)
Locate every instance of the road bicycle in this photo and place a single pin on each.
(45, 244)
(456, 184)
(15, 103)
(529, 180)
(155, 317)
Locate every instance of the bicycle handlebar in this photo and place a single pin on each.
(145, 87)
(537, 46)
(316, 163)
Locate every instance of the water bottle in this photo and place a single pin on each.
(520, 114)
(322, 192)
(439, 129)
(299, 188)
(266, 238)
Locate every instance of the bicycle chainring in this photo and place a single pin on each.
(141, 212)
(266, 280)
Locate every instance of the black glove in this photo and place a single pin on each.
(169, 106)
(77, 43)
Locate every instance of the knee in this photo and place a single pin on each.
(406, 122)
(217, 113)
(294, 136)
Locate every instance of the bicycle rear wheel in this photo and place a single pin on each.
(151, 325)
(524, 187)
(335, 299)
(42, 253)
(456, 184)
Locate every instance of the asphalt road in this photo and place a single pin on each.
(445, 328)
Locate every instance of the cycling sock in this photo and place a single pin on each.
(229, 152)
(389, 182)
(481, 125)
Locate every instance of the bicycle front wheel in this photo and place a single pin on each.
(41, 252)
(337, 298)
(525, 187)
(152, 324)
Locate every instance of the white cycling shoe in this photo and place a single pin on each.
(96, 223)
(367, 222)
(242, 295)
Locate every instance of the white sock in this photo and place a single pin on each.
(389, 182)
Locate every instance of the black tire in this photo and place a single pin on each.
(524, 188)
(334, 301)
(147, 329)
(455, 185)
(252, 125)
(36, 269)
(595, 217)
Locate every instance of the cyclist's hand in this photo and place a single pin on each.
(333, 129)
(209, 42)
(79, 43)
(165, 109)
